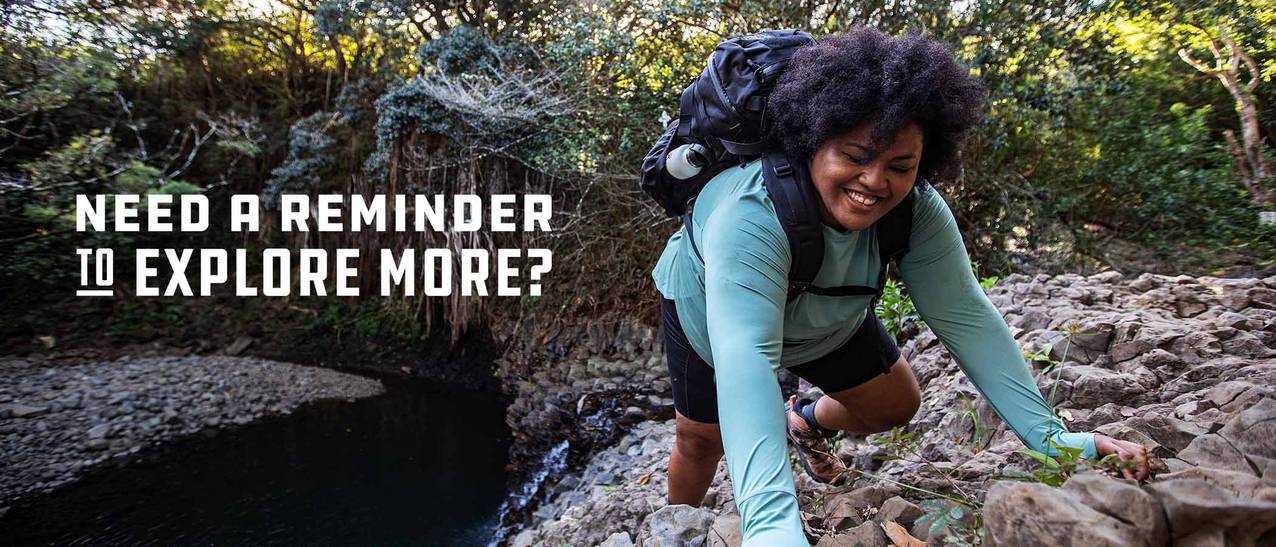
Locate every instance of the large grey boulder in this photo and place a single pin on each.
(1253, 433)
(1122, 500)
(1202, 513)
(1017, 513)
(726, 531)
(676, 526)
(1214, 451)
(1097, 386)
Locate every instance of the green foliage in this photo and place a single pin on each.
(968, 412)
(955, 518)
(961, 524)
(1054, 470)
(895, 309)
(137, 177)
(1042, 357)
(309, 158)
(178, 187)
(369, 319)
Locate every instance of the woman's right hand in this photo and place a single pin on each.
(1134, 455)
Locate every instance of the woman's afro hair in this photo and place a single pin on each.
(866, 76)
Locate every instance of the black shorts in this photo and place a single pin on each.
(869, 352)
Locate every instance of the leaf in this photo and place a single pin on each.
(1040, 457)
(899, 536)
(936, 526)
(933, 505)
(1069, 453)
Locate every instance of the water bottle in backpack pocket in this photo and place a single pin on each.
(720, 117)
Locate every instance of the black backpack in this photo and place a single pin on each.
(721, 116)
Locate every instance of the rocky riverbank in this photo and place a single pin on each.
(57, 422)
(1184, 365)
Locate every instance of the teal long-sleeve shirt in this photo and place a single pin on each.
(736, 315)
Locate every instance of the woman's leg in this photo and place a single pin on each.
(886, 401)
(697, 448)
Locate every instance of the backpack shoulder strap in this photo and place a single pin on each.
(797, 208)
(894, 230)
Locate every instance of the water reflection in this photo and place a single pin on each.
(419, 465)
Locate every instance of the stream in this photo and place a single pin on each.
(421, 464)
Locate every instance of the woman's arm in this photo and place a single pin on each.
(746, 282)
(937, 273)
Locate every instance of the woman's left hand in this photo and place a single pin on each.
(1134, 455)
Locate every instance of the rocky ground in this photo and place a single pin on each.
(1184, 365)
(57, 422)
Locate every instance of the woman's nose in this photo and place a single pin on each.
(874, 177)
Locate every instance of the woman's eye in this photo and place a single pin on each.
(857, 160)
(901, 169)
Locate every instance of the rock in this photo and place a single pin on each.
(868, 534)
(1187, 304)
(1235, 321)
(523, 539)
(633, 415)
(1197, 510)
(1036, 514)
(1125, 351)
(618, 539)
(899, 510)
(1243, 485)
(1253, 433)
(238, 346)
(841, 513)
(1145, 282)
(870, 496)
(1123, 500)
(676, 526)
(1214, 451)
(1097, 386)
(726, 531)
(847, 510)
(27, 411)
(99, 431)
(1171, 432)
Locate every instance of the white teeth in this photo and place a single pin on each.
(861, 198)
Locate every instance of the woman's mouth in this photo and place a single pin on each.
(861, 199)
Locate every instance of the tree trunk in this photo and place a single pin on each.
(1251, 162)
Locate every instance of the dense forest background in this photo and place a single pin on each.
(1128, 135)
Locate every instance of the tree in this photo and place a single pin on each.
(1251, 160)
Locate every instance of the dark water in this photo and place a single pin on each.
(419, 465)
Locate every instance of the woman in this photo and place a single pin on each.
(873, 116)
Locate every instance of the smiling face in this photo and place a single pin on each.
(857, 183)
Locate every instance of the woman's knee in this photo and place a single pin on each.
(696, 440)
(906, 400)
(889, 400)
